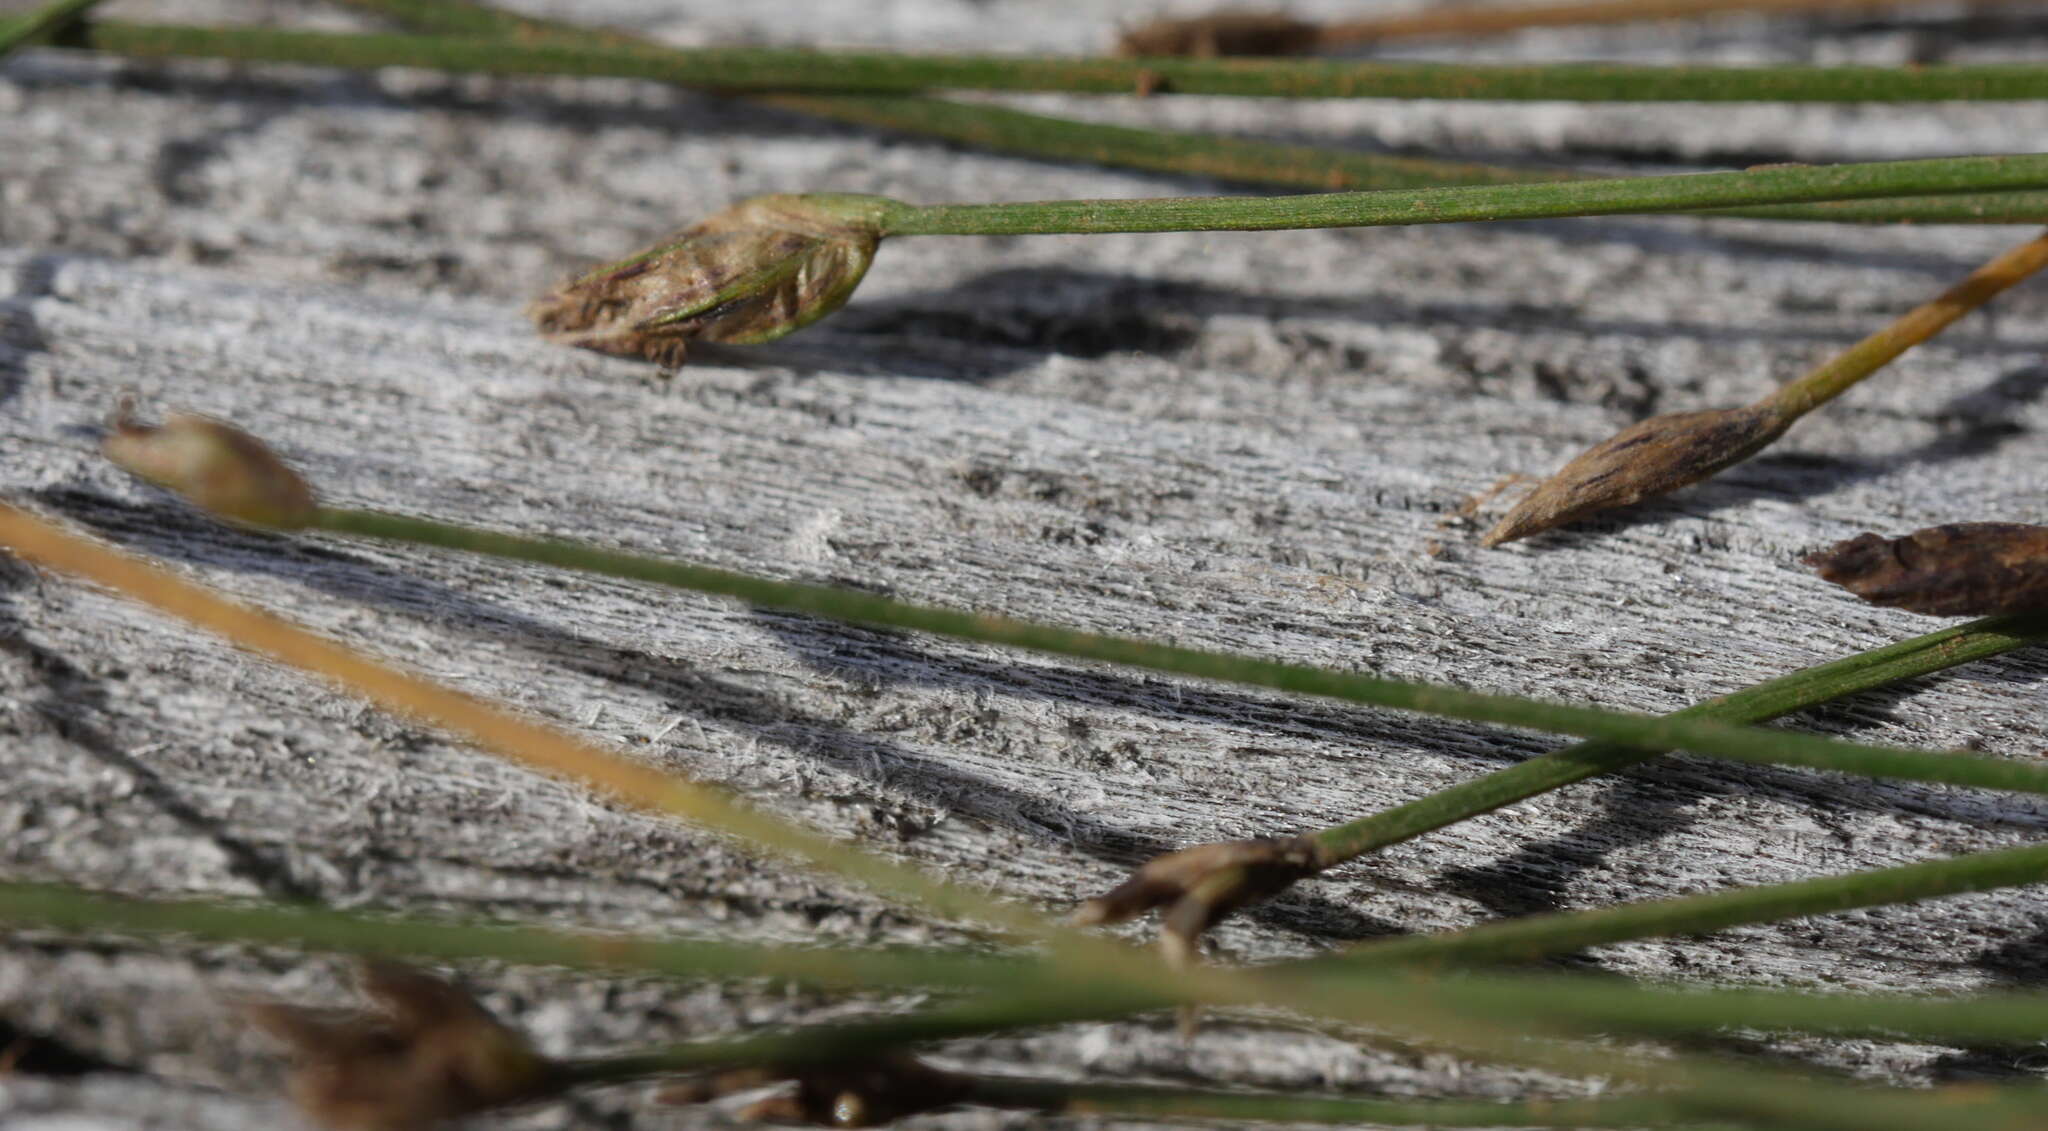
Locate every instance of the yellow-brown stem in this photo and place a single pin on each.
(1833, 377)
(501, 732)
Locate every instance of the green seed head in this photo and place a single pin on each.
(752, 273)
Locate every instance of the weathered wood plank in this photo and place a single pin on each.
(1261, 443)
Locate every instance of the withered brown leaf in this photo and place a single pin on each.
(1225, 33)
(1649, 458)
(1963, 569)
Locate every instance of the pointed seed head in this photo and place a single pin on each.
(1644, 460)
(214, 465)
(1196, 888)
(1963, 569)
(758, 270)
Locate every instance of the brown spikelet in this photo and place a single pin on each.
(1646, 459)
(1195, 888)
(214, 465)
(1225, 33)
(430, 1053)
(1963, 569)
(758, 270)
(861, 1093)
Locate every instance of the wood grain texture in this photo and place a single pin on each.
(1269, 443)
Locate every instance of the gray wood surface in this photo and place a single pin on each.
(1266, 443)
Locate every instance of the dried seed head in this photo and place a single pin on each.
(1226, 33)
(1647, 459)
(431, 1053)
(1964, 569)
(214, 465)
(1195, 888)
(862, 1093)
(758, 270)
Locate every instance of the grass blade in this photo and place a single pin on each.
(761, 69)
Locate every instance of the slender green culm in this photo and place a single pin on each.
(828, 1044)
(1270, 33)
(1219, 156)
(1605, 1004)
(1536, 936)
(1605, 197)
(1033, 993)
(1275, 165)
(1704, 736)
(758, 69)
(42, 22)
(1136, 1102)
(1777, 186)
(1580, 1002)
(1195, 888)
(1908, 659)
(51, 907)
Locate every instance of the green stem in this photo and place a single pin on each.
(1039, 993)
(758, 69)
(353, 932)
(462, 18)
(1466, 22)
(1907, 659)
(1486, 202)
(1603, 1004)
(1133, 1102)
(1536, 936)
(42, 22)
(1581, 1002)
(1773, 1095)
(1271, 164)
(1704, 736)
(862, 1040)
(1164, 151)
(1838, 374)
